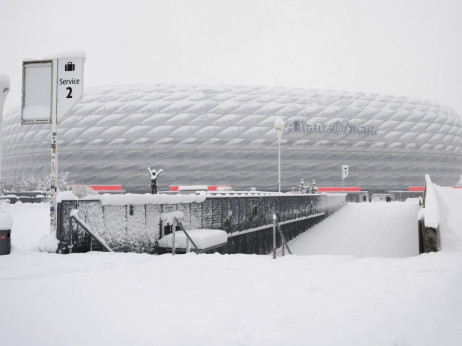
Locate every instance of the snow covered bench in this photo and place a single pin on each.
(206, 240)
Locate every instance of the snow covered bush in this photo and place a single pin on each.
(34, 183)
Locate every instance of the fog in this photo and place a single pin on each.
(397, 47)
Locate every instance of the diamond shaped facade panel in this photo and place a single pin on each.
(224, 135)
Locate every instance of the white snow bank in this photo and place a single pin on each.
(203, 238)
(137, 199)
(6, 221)
(66, 196)
(432, 210)
(49, 243)
(450, 202)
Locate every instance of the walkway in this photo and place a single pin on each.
(376, 229)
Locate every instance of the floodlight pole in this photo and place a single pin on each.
(279, 127)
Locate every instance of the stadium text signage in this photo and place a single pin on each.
(336, 128)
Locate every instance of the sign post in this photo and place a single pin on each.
(50, 89)
(344, 173)
(4, 89)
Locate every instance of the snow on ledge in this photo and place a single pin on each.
(66, 196)
(203, 238)
(432, 210)
(137, 199)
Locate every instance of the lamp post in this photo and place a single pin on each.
(279, 127)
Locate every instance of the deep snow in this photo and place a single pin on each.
(364, 230)
(137, 299)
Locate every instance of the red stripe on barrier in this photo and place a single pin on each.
(106, 187)
(174, 188)
(339, 189)
(416, 188)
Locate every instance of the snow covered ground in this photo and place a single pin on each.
(364, 230)
(136, 299)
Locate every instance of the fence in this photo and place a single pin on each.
(246, 219)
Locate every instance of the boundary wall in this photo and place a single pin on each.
(246, 219)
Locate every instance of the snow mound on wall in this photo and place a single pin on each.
(432, 210)
(203, 238)
(137, 199)
(450, 201)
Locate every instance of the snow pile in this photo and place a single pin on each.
(6, 221)
(203, 238)
(450, 201)
(432, 210)
(138, 199)
(66, 196)
(49, 243)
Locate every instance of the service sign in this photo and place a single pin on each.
(69, 83)
(37, 92)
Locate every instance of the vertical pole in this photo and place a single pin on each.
(188, 248)
(274, 236)
(283, 243)
(279, 165)
(54, 153)
(173, 237)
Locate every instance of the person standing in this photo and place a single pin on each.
(154, 175)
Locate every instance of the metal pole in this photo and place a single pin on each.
(173, 237)
(274, 236)
(279, 165)
(54, 155)
(283, 243)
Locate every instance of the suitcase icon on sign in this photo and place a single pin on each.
(69, 66)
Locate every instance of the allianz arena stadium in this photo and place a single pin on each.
(224, 135)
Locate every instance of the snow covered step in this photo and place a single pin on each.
(205, 239)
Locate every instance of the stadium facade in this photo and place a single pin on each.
(224, 135)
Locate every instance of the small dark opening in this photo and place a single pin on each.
(131, 210)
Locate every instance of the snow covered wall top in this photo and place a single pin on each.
(224, 135)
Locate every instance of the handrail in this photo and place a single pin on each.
(185, 232)
(94, 235)
(283, 238)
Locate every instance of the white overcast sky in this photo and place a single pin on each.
(400, 47)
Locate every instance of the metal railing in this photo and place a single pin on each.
(283, 238)
(176, 223)
(93, 235)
